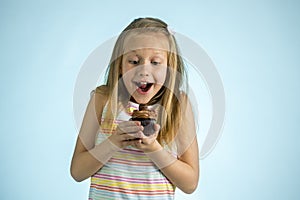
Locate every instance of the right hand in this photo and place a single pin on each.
(127, 133)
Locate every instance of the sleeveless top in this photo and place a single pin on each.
(129, 174)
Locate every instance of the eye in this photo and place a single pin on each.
(155, 63)
(134, 62)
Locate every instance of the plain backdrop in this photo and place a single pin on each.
(255, 46)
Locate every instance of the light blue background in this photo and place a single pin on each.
(254, 44)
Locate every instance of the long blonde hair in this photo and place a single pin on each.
(169, 97)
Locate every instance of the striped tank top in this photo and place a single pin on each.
(129, 174)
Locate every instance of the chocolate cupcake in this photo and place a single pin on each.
(146, 117)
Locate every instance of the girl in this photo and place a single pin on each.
(113, 150)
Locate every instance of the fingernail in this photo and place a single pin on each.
(138, 123)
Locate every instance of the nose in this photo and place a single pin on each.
(144, 70)
(142, 74)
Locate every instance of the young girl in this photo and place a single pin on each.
(113, 149)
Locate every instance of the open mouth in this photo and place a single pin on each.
(144, 86)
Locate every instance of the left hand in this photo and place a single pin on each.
(149, 143)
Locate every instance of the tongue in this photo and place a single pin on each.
(143, 86)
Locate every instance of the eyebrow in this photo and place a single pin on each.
(155, 52)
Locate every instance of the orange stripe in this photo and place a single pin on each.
(130, 191)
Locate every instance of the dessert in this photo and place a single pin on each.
(147, 118)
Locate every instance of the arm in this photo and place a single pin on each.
(88, 158)
(84, 164)
(183, 172)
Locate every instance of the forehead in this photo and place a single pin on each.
(146, 52)
(156, 41)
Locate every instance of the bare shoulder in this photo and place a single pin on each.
(92, 119)
(184, 101)
(100, 97)
(187, 130)
(102, 90)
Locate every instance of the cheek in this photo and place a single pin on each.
(124, 68)
(127, 76)
(160, 75)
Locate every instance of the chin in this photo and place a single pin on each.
(142, 101)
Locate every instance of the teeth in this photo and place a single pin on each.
(143, 83)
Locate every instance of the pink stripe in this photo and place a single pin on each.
(132, 151)
(139, 182)
(127, 162)
(111, 177)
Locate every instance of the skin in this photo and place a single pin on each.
(145, 60)
(140, 63)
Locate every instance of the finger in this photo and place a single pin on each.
(129, 123)
(149, 139)
(129, 128)
(127, 137)
(138, 134)
(138, 144)
(156, 127)
(154, 135)
(135, 132)
(134, 143)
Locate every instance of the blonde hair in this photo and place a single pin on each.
(169, 97)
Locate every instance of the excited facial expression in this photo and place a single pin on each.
(144, 65)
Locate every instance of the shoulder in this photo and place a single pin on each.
(188, 105)
(183, 95)
(183, 100)
(99, 97)
(100, 92)
(102, 89)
